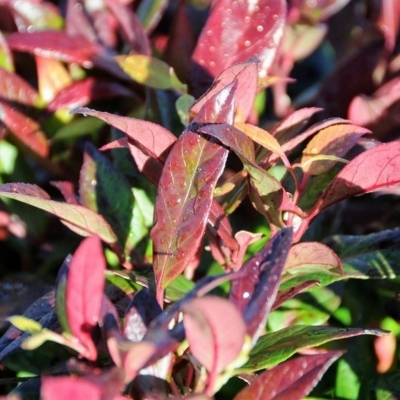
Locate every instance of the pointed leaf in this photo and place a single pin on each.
(79, 219)
(334, 140)
(208, 323)
(276, 347)
(103, 189)
(24, 129)
(25, 324)
(237, 31)
(84, 291)
(185, 192)
(6, 60)
(292, 380)
(370, 171)
(255, 292)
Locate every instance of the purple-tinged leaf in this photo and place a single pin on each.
(335, 140)
(246, 74)
(24, 129)
(372, 170)
(103, 189)
(67, 190)
(185, 192)
(235, 32)
(79, 219)
(77, 22)
(215, 331)
(55, 44)
(288, 294)
(84, 292)
(14, 88)
(61, 290)
(276, 347)
(254, 293)
(292, 380)
(81, 93)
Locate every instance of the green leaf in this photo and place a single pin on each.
(25, 324)
(183, 104)
(273, 348)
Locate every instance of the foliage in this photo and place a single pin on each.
(171, 137)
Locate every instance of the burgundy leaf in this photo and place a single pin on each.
(77, 22)
(372, 170)
(389, 22)
(235, 32)
(246, 74)
(291, 380)
(67, 190)
(215, 331)
(255, 292)
(79, 219)
(84, 292)
(288, 294)
(14, 88)
(24, 129)
(55, 44)
(82, 92)
(185, 192)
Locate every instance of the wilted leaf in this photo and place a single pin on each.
(276, 347)
(79, 219)
(292, 380)
(215, 331)
(185, 192)
(235, 32)
(370, 171)
(255, 291)
(335, 140)
(84, 291)
(24, 129)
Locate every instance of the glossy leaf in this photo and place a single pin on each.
(84, 291)
(55, 44)
(370, 171)
(14, 88)
(255, 291)
(292, 380)
(103, 189)
(334, 140)
(24, 129)
(79, 219)
(185, 192)
(236, 32)
(149, 71)
(208, 323)
(276, 347)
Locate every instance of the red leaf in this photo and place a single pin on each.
(237, 31)
(215, 331)
(26, 130)
(85, 284)
(185, 192)
(372, 170)
(55, 44)
(81, 93)
(291, 380)
(14, 88)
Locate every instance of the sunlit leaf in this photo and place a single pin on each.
(84, 291)
(25, 324)
(80, 219)
(292, 380)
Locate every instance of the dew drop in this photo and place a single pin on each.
(229, 11)
(246, 295)
(212, 64)
(247, 43)
(209, 32)
(275, 17)
(314, 150)
(93, 182)
(260, 28)
(247, 19)
(212, 49)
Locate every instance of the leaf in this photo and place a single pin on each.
(103, 189)
(291, 380)
(334, 140)
(215, 331)
(24, 129)
(14, 88)
(372, 170)
(246, 74)
(255, 291)
(84, 291)
(150, 71)
(185, 192)
(150, 12)
(79, 219)
(235, 32)
(6, 60)
(25, 324)
(57, 45)
(276, 347)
